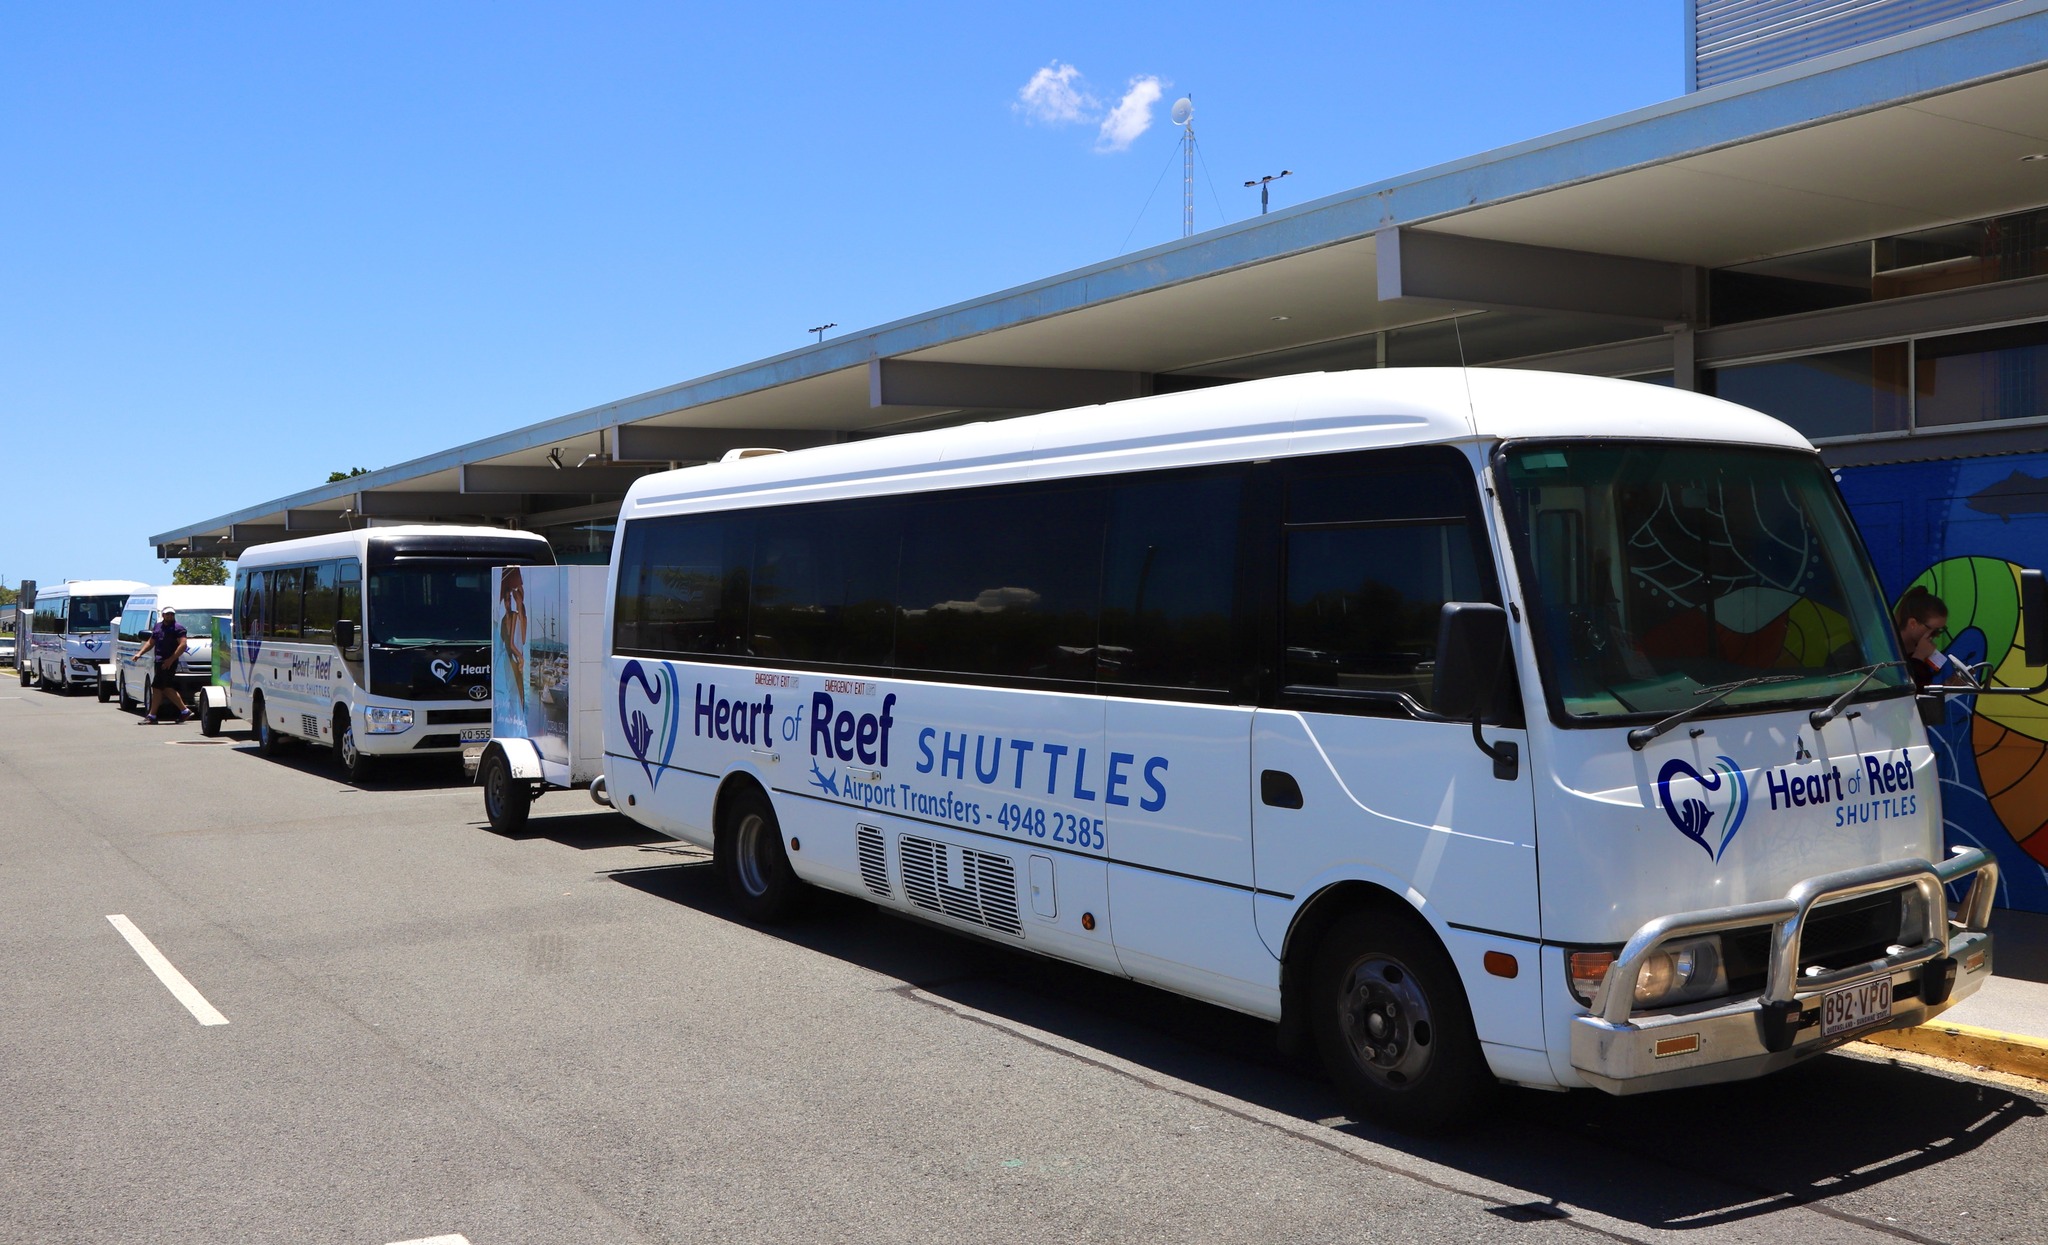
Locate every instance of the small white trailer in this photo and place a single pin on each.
(547, 671)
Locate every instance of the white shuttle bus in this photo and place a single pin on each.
(71, 645)
(374, 642)
(1475, 727)
(133, 672)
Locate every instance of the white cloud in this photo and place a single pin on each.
(1056, 96)
(1132, 115)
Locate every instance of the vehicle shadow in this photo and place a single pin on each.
(1825, 1131)
(391, 774)
(583, 831)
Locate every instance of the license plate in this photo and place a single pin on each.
(1854, 1007)
(476, 734)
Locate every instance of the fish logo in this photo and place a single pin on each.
(650, 717)
(1691, 812)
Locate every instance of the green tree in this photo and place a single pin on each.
(200, 571)
(8, 596)
(351, 473)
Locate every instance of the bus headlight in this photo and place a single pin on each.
(378, 720)
(1681, 972)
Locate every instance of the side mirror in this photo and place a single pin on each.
(1471, 656)
(2034, 616)
(1471, 670)
(345, 633)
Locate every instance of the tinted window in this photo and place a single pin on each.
(682, 585)
(1169, 579)
(134, 625)
(285, 586)
(321, 590)
(824, 584)
(1374, 547)
(349, 594)
(1004, 582)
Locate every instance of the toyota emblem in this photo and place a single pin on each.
(478, 691)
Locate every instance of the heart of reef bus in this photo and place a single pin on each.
(1475, 727)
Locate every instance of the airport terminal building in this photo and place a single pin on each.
(1842, 222)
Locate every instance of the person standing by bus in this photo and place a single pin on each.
(167, 640)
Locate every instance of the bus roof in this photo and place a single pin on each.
(1323, 412)
(339, 544)
(91, 588)
(185, 596)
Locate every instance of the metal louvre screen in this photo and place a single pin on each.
(985, 892)
(1736, 38)
(874, 866)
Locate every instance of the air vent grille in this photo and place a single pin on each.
(874, 863)
(986, 890)
(309, 726)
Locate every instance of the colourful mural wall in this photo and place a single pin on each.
(1964, 529)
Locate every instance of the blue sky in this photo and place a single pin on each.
(242, 246)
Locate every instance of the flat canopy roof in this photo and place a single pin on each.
(1586, 236)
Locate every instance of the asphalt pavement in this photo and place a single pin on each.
(567, 1036)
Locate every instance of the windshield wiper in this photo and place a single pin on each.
(1821, 717)
(1716, 694)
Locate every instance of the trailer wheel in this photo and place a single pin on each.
(104, 689)
(506, 798)
(1393, 1026)
(22, 672)
(210, 717)
(356, 765)
(751, 861)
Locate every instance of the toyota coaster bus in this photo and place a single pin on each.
(71, 646)
(374, 642)
(1474, 726)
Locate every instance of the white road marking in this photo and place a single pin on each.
(453, 1238)
(174, 981)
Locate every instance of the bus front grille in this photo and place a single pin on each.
(985, 895)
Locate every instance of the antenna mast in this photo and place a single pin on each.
(1184, 117)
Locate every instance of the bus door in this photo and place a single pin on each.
(1351, 775)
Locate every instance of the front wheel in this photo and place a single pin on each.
(356, 765)
(506, 799)
(1393, 1027)
(750, 859)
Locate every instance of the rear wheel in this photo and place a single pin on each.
(506, 799)
(1393, 1026)
(127, 702)
(268, 741)
(750, 859)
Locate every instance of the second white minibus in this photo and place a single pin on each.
(374, 642)
(1475, 727)
(134, 672)
(72, 634)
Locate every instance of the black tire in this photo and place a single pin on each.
(210, 719)
(752, 862)
(507, 799)
(269, 742)
(105, 689)
(128, 704)
(21, 671)
(1393, 1026)
(356, 765)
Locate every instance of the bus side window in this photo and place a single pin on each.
(322, 585)
(824, 582)
(349, 597)
(253, 618)
(683, 585)
(1169, 583)
(135, 625)
(285, 590)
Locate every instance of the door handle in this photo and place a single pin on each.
(1278, 789)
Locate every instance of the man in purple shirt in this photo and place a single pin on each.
(167, 639)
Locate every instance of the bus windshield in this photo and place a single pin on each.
(92, 613)
(430, 603)
(1657, 573)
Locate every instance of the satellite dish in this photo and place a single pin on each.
(1183, 110)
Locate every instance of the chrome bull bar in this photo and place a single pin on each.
(1619, 1051)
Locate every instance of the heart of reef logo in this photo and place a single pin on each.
(443, 669)
(650, 711)
(1690, 800)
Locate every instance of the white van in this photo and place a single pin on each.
(196, 606)
(375, 642)
(1474, 726)
(72, 639)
